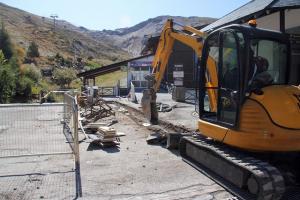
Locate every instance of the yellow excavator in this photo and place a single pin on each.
(249, 116)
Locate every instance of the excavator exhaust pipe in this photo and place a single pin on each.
(148, 103)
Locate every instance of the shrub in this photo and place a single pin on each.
(92, 64)
(23, 88)
(7, 83)
(20, 54)
(33, 50)
(5, 43)
(32, 72)
(76, 84)
(2, 58)
(64, 76)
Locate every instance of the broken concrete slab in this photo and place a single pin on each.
(173, 139)
(156, 138)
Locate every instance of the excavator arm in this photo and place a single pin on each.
(188, 36)
(165, 47)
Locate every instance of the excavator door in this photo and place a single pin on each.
(224, 48)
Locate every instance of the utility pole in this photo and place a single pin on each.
(54, 16)
(74, 48)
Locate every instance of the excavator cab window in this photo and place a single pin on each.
(229, 79)
(212, 60)
(220, 97)
(268, 65)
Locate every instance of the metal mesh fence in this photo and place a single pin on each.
(38, 177)
(71, 126)
(69, 120)
(32, 130)
(35, 155)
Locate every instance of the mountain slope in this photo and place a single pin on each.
(106, 46)
(131, 39)
(66, 39)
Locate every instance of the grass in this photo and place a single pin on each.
(111, 79)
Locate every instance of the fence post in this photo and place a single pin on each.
(65, 109)
(76, 148)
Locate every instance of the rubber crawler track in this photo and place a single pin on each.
(270, 180)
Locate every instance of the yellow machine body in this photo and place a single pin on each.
(267, 122)
(258, 117)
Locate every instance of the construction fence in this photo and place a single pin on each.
(39, 150)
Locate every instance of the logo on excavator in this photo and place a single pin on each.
(298, 98)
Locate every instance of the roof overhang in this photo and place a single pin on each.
(108, 68)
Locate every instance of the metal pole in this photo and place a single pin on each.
(76, 149)
(54, 20)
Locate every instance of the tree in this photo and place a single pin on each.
(7, 83)
(33, 50)
(2, 58)
(64, 76)
(23, 88)
(32, 72)
(5, 44)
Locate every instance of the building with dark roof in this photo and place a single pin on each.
(278, 15)
(284, 14)
(92, 74)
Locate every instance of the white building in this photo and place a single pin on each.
(137, 70)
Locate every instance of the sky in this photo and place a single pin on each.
(113, 14)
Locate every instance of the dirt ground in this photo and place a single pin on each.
(137, 170)
(134, 170)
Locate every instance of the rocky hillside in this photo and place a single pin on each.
(66, 39)
(106, 46)
(131, 39)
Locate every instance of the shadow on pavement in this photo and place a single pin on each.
(97, 146)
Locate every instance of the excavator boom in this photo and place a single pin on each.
(188, 36)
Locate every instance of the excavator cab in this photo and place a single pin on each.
(246, 60)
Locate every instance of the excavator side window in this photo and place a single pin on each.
(211, 86)
(228, 74)
(220, 96)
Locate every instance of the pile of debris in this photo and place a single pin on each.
(95, 109)
(103, 135)
(107, 135)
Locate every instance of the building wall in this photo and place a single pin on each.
(182, 55)
(292, 26)
(271, 21)
(292, 17)
(137, 70)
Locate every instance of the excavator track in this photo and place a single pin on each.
(244, 176)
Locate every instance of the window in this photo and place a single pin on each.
(268, 63)
(228, 80)
(145, 68)
(229, 72)
(211, 66)
(222, 75)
